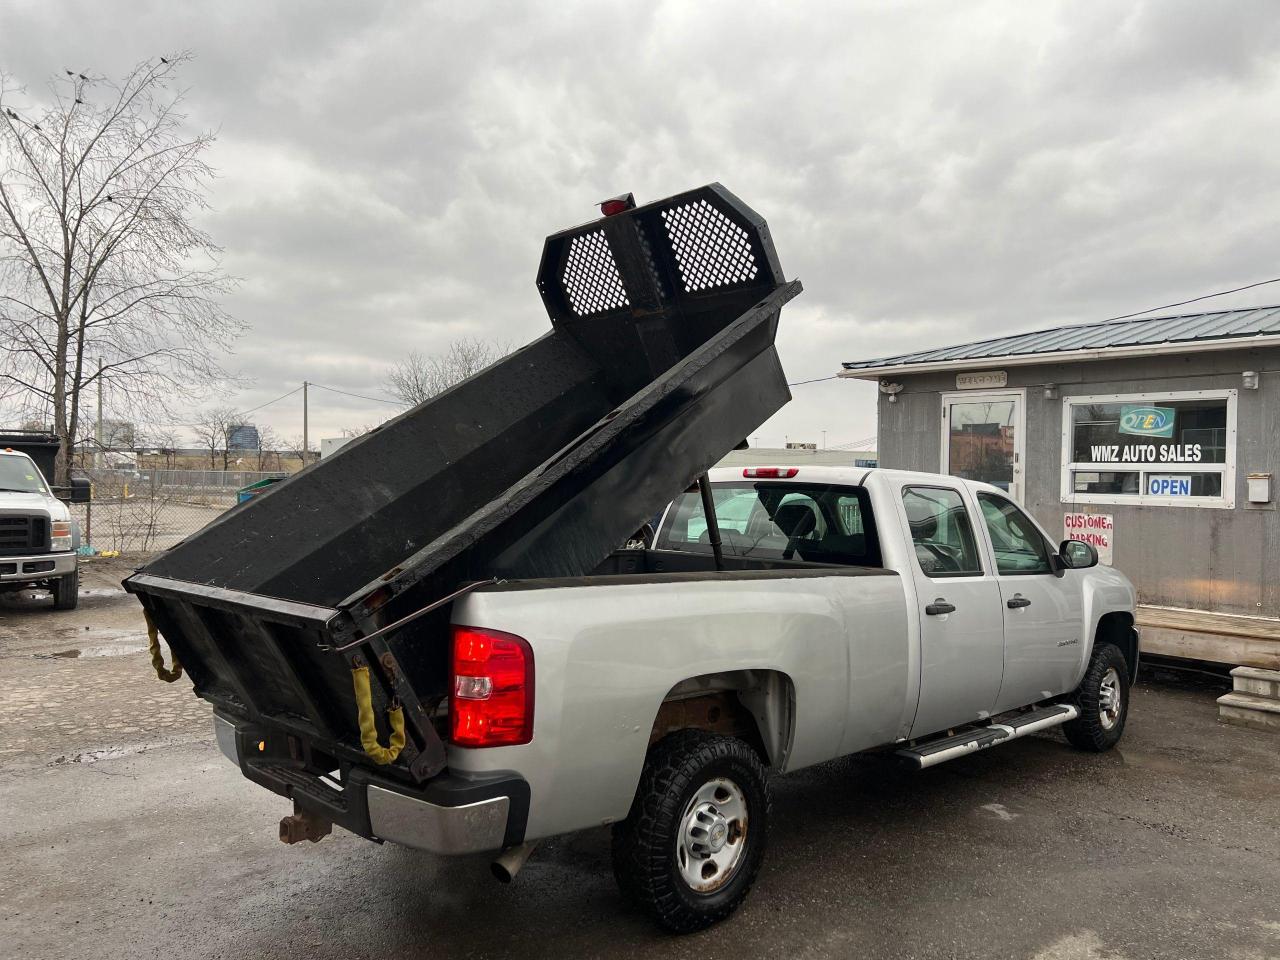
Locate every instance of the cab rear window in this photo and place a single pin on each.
(815, 523)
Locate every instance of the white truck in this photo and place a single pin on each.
(38, 535)
(431, 638)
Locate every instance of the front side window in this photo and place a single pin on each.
(816, 523)
(941, 532)
(1174, 448)
(1018, 545)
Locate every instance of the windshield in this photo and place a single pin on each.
(817, 523)
(20, 475)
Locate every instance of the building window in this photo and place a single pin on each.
(1169, 449)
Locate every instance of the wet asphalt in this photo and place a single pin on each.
(126, 834)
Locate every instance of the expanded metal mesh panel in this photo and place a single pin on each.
(711, 250)
(591, 280)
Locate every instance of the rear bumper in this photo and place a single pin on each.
(40, 566)
(447, 815)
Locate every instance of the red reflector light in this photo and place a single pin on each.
(490, 688)
(618, 204)
(771, 472)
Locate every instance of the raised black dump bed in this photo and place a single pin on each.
(659, 361)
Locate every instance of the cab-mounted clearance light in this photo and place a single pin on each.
(767, 473)
(619, 204)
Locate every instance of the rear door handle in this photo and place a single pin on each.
(939, 606)
(1018, 601)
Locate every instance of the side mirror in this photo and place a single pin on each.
(1078, 555)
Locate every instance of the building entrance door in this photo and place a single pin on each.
(984, 438)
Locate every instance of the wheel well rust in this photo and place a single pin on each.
(756, 706)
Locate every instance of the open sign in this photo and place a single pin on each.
(1147, 421)
(1167, 486)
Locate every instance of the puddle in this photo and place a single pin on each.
(101, 643)
(86, 652)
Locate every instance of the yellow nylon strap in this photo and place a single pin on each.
(368, 731)
(157, 658)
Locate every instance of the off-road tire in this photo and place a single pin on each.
(645, 844)
(66, 591)
(1089, 731)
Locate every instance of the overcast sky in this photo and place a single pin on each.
(933, 172)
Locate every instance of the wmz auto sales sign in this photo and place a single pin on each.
(1092, 528)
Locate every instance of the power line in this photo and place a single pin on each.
(245, 413)
(1183, 303)
(358, 396)
(801, 383)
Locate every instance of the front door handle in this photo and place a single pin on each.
(939, 606)
(1018, 601)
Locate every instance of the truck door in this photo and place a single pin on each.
(961, 624)
(1042, 611)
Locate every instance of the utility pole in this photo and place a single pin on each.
(97, 454)
(824, 439)
(306, 443)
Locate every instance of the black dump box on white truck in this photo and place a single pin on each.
(431, 637)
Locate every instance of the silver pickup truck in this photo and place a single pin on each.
(429, 638)
(856, 610)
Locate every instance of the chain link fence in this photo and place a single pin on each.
(133, 511)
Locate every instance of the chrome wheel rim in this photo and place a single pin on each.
(713, 835)
(1109, 699)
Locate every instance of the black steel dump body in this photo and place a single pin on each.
(660, 360)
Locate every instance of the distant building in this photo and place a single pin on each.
(331, 445)
(243, 436)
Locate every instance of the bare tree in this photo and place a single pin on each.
(420, 377)
(213, 432)
(164, 440)
(103, 275)
(269, 444)
(296, 450)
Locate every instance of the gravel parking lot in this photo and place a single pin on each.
(126, 834)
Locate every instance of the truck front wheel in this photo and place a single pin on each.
(1103, 701)
(66, 591)
(695, 838)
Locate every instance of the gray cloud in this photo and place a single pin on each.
(934, 173)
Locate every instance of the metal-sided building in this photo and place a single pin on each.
(1155, 439)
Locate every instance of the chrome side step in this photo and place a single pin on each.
(968, 741)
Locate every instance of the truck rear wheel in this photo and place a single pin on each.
(66, 591)
(696, 835)
(1103, 701)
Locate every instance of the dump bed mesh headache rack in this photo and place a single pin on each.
(660, 360)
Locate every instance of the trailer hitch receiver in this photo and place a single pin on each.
(301, 825)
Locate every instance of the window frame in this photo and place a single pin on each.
(873, 558)
(1227, 469)
(969, 507)
(1049, 549)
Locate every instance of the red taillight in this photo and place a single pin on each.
(490, 689)
(771, 472)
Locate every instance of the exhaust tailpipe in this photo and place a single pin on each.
(511, 860)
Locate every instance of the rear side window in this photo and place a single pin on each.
(941, 531)
(816, 523)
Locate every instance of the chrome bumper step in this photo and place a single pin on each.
(969, 741)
